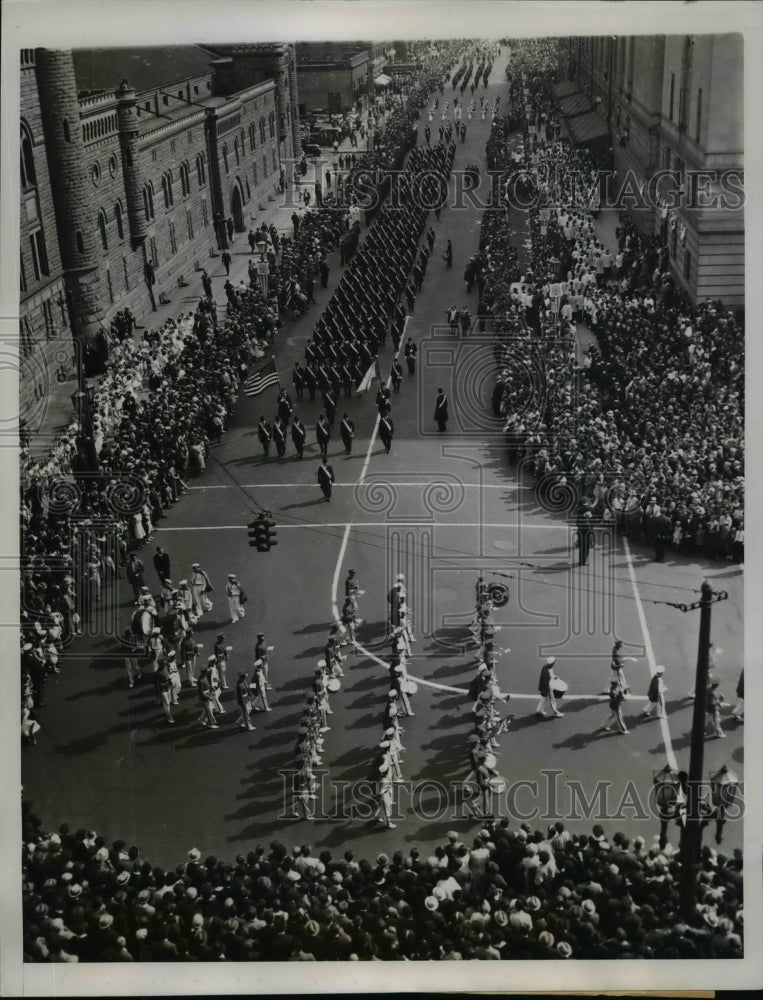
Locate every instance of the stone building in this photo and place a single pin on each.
(333, 76)
(671, 109)
(134, 160)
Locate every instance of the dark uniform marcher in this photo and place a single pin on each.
(347, 433)
(323, 434)
(298, 435)
(411, 350)
(325, 478)
(585, 537)
(265, 435)
(441, 410)
(386, 432)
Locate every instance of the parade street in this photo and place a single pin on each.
(440, 508)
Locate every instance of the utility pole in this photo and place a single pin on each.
(691, 835)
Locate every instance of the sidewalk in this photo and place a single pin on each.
(59, 409)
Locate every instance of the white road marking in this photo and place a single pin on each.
(337, 568)
(376, 422)
(664, 728)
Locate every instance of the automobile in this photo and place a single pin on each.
(311, 150)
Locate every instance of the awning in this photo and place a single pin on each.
(565, 89)
(587, 128)
(382, 80)
(576, 104)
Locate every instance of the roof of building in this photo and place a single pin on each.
(145, 68)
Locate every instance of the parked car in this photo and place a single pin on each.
(312, 150)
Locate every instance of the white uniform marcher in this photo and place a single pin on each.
(234, 592)
(199, 583)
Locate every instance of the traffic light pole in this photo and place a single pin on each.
(691, 836)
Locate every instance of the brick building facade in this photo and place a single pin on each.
(674, 103)
(128, 174)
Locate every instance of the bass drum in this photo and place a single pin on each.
(143, 623)
(333, 685)
(410, 687)
(499, 594)
(560, 687)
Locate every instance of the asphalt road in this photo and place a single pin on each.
(439, 508)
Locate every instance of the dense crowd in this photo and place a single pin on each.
(511, 892)
(648, 429)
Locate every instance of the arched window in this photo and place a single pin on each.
(119, 216)
(235, 152)
(65, 126)
(185, 180)
(225, 156)
(102, 229)
(167, 189)
(272, 124)
(201, 171)
(262, 129)
(28, 174)
(252, 138)
(148, 201)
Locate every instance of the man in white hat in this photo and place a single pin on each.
(236, 596)
(656, 695)
(547, 704)
(385, 795)
(200, 587)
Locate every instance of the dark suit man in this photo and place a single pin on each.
(162, 565)
(347, 432)
(323, 434)
(411, 350)
(441, 410)
(265, 435)
(325, 478)
(298, 435)
(386, 431)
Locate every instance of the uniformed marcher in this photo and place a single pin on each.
(284, 407)
(323, 435)
(298, 380)
(325, 478)
(279, 437)
(236, 599)
(298, 435)
(244, 699)
(265, 435)
(547, 701)
(411, 350)
(396, 375)
(441, 410)
(347, 433)
(585, 539)
(386, 432)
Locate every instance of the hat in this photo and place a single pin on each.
(564, 949)
(194, 854)
(431, 903)
(659, 669)
(155, 631)
(546, 938)
(312, 928)
(550, 661)
(123, 877)
(211, 659)
(392, 694)
(101, 854)
(171, 655)
(74, 891)
(588, 906)
(143, 896)
(192, 891)
(532, 904)
(501, 918)
(105, 920)
(258, 662)
(231, 576)
(194, 566)
(452, 835)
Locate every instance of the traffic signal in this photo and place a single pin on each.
(270, 532)
(258, 534)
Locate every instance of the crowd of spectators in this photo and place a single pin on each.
(645, 427)
(510, 892)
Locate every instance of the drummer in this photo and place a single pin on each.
(322, 704)
(385, 792)
(393, 758)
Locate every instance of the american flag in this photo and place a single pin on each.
(259, 381)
